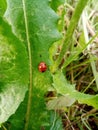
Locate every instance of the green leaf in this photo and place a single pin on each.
(13, 72)
(17, 120)
(2, 7)
(61, 84)
(63, 87)
(34, 23)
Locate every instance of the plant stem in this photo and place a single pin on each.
(30, 65)
(73, 23)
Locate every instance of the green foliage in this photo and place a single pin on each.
(2, 7)
(37, 32)
(73, 23)
(66, 89)
(31, 27)
(23, 45)
(13, 72)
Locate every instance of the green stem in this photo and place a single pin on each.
(30, 65)
(73, 23)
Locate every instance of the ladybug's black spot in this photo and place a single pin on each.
(40, 55)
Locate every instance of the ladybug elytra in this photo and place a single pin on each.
(42, 67)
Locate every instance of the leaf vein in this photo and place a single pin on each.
(30, 66)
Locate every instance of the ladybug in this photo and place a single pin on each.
(42, 67)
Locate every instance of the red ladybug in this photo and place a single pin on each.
(42, 67)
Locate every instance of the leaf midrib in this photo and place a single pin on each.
(30, 66)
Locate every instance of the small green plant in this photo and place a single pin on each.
(42, 46)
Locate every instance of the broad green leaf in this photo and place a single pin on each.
(34, 23)
(29, 26)
(17, 120)
(14, 73)
(2, 7)
(63, 87)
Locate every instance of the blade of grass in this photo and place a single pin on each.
(73, 23)
(81, 64)
(84, 21)
(84, 120)
(72, 57)
(88, 85)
